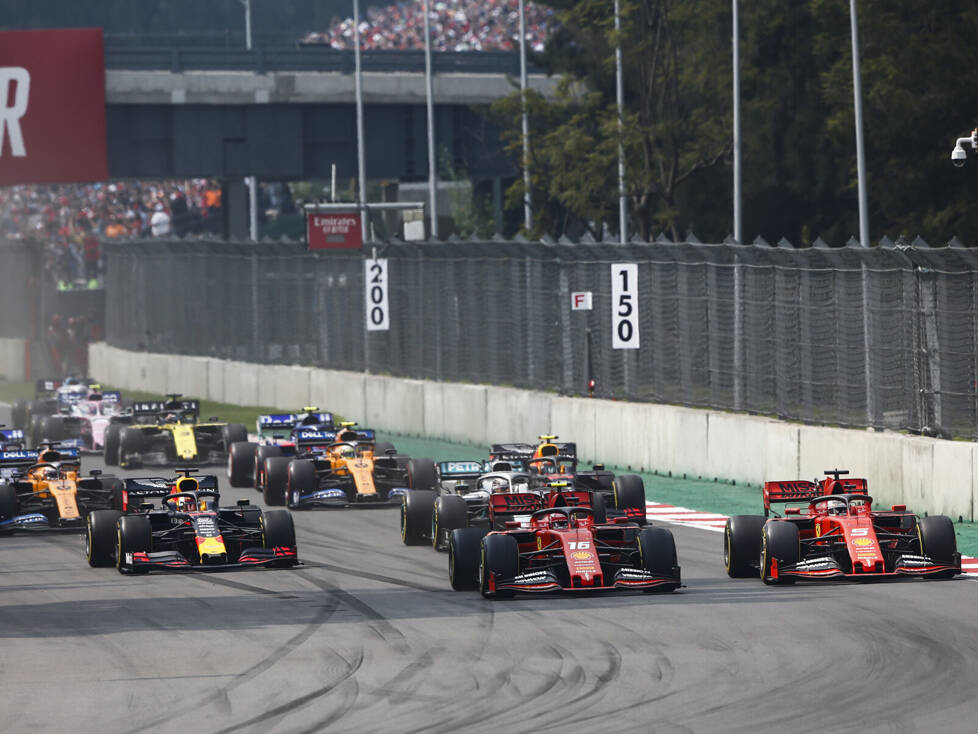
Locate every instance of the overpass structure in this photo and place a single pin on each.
(289, 114)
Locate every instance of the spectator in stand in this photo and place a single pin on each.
(160, 222)
(456, 25)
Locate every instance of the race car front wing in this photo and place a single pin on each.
(176, 561)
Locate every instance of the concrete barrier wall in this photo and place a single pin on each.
(928, 475)
(12, 360)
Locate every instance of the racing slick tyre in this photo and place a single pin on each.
(382, 447)
(464, 554)
(101, 537)
(110, 451)
(276, 473)
(133, 535)
(416, 508)
(233, 432)
(34, 425)
(448, 514)
(19, 414)
(262, 453)
(241, 463)
(937, 540)
(278, 531)
(779, 542)
(742, 545)
(421, 474)
(629, 495)
(500, 557)
(657, 554)
(301, 480)
(131, 443)
(9, 505)
(599, 508)
(53, 429)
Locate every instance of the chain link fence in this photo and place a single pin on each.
(846, 336)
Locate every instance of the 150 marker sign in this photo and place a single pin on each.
(375, 288)
(624, 306)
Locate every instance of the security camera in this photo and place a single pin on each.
(958, 156)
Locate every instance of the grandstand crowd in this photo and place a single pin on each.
(456, 25)
(69, 221)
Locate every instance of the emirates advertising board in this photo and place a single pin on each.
(52, 106)
(333, 231)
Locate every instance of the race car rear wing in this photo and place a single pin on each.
(148, 487)
(514, 503)
(22, 457)
(800, 490)
(12, 435)
(153, 407)
(524, 450)
(461, 470)
(46, 386)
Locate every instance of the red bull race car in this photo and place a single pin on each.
(189, 530)
(832, 531)
(552, 542)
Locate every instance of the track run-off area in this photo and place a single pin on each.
(367, 636)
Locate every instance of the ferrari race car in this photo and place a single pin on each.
(279, 434)
(462, 489)
(189, 530)
(836, 533)
(346, 467)
(175, 436)
(82, 418)
(561, 548)
(45, 489)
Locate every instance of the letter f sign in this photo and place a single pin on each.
(15, 85)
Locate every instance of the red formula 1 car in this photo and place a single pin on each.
(559, 547)
(836, 533)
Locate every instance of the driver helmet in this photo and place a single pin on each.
(50, 472)
(186, 504)
(835, 507)
(498, 485)
(346, 451)
(91, 409)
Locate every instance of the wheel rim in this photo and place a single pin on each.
(726, 548)
(434, 527)
(88, 542)
(404, 520)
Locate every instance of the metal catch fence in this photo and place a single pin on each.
(847, 336)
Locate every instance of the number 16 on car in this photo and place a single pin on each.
(375, 289)
(624, 306)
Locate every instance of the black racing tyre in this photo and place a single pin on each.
(34, 425)
(9, 504)
(278, 531)
(276, 472)
(599, 507)
(134, 534)
(131, 446)
(448, 514)
(100, 539)
(938, 541)
(381, 448)
(742, 545)
(657, 553)
(116, 489)
(53, 429)
(110, 450)
(241, 463)
(629, 494)
(500, 556)
(261, 453)
(421, 474)
(464, 555)
(416, 508)
(302, 479)
(18, 414)
(779, 540)
(233, 432)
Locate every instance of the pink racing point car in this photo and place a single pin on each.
(82, 420)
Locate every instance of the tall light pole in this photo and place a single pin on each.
(527, 208)
(251, 181)
(738, 223)
(620, 95)
(860, 148)
(361, 158)
(429, 90)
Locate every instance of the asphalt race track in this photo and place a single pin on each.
(367, 636)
